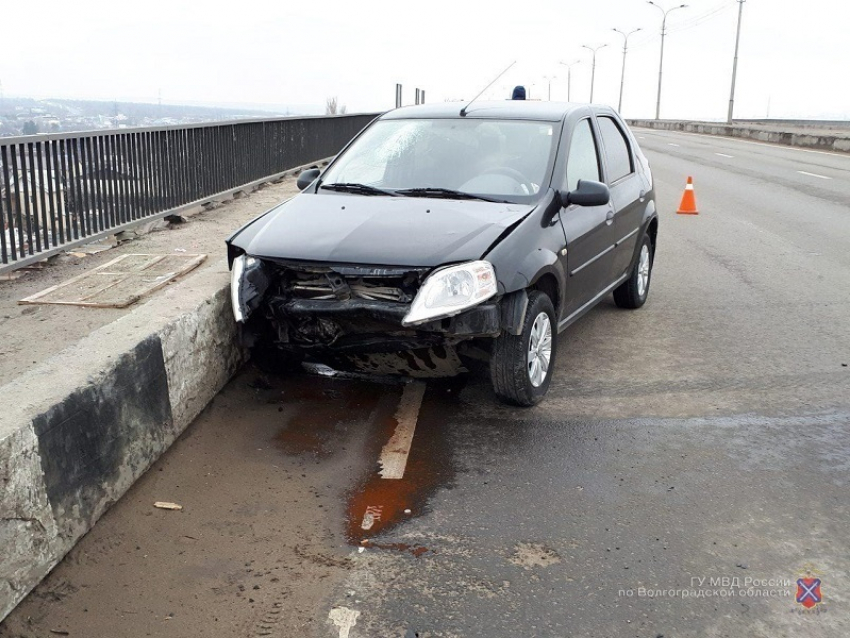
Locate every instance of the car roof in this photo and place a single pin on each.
(505, 109)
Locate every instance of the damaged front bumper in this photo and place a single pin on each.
(352, 318)
(367, 336)
(373, 326)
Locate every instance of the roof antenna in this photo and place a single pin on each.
(463, 110)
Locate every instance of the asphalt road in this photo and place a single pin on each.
(701, 443)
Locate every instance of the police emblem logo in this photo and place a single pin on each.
(809, 592)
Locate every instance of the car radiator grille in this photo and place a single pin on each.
(327, 288)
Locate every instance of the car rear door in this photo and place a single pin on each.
(589, 229)
(627, 190)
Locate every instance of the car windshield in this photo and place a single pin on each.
(505, 160)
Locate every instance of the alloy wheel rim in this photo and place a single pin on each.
(643, 271)
(539, 350)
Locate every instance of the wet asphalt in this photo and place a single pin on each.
(692, 460)
(690, 463)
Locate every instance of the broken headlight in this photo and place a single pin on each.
(247, 284)
(451, 290)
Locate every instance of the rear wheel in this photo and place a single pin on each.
(521, 366)
(633, 292)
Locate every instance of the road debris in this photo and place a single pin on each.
(164, 505)
(373, 514)
(345, 619)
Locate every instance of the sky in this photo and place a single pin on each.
(794, 56)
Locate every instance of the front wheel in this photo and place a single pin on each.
(633, 292)
(521, 366)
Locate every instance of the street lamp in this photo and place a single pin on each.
(623, 74)
(735, 64)
(661, 62)
(593, 68)
(570, 78)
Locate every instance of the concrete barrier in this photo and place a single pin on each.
(799, 138)
(77, 431)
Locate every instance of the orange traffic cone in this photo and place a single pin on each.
(689, 200)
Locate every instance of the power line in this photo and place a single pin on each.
(715, 12)
(695, 22)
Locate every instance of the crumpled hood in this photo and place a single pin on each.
(385, 231)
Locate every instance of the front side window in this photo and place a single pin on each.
(617, 154)
(498, 158)
(583, 160)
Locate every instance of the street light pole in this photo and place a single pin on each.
(661, 61)
(735, 62)
(593, 68)
(623, 74)
(570, 78)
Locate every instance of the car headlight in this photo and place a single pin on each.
(451, 290)
(240, 266)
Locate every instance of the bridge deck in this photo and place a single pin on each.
(702, 439)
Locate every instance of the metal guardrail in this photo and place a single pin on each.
(62, 190)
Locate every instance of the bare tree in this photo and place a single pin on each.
(333, 107)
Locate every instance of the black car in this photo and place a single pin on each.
(441, 235)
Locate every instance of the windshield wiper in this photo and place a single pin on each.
(445, 193)
(362, 189)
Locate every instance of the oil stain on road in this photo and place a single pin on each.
(377, 504)
(380, 499)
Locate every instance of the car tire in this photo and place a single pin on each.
(633, 292)
(514, 377)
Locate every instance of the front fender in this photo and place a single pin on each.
(531, 249)
(533, 266)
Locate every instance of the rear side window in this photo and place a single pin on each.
(583, 160)
(616, 149)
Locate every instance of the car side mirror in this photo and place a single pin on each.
(587, 193)
(308, 177)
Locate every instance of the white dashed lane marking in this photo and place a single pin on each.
(393, 459)
(814, 175)
(671, 144)
(725, 155)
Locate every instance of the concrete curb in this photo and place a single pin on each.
(76, 432)
(814, 140)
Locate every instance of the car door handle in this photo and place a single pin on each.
(609, 218)
(642, 196)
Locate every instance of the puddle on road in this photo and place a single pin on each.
(325, 406)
